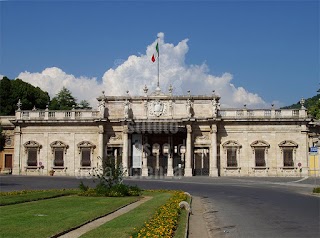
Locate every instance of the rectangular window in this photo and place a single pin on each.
(32, 157)
(232, 157)
(8, 161)
(260, 157)
(288, 157)
(86, 157)
(58, 158)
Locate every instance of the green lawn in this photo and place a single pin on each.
(7, 198)
(48, 217)
(124, 225)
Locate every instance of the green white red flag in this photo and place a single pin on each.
(156, 55)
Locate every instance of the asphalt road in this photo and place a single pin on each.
(235, 207)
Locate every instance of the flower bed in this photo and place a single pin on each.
(165, 220)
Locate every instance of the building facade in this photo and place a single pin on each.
(162, 134)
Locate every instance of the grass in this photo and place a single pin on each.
(125, 225)
(7, 198)
(46, 218)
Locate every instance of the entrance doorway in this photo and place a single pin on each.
(8, 162)
(201, 161)
(158, 147)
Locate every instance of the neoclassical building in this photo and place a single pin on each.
(161, 134)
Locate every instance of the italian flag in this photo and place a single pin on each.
(156, 55)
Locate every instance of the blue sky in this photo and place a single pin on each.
(271, 48)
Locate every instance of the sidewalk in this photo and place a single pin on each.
(96, 223)
(197, 224)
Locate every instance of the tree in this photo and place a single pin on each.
(13, 90)
(2, 140)
(84, 104)
(63, 100)
(312, 105)
(6, 104)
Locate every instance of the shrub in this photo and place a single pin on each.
(110, 184)
(316, 190)
(83, 187)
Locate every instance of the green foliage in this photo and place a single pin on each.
(82, 187)
(316, 190)
(63, 100)
(13, 90)
(312, 104)
(84, 104)
(110, 184)
(2, 140)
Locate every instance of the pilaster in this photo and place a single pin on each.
(17, 163)
(188, 168)
(125, 150)
(213, 172)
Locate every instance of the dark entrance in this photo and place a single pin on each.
(8, 162)
(201, 161)
(158, 146)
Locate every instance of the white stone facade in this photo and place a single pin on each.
(162, 134)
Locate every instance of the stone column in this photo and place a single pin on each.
(17, 165)
(170, 169)
(125, 154)
(101, 142)
(213, 172)
(144, 164)
(188, 169)
(101, 145)
(157, 161)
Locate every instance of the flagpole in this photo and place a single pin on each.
(158, 64)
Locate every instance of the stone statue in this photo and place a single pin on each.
(126, 109)
(215, 107)
(189, 108)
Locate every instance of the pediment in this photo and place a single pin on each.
(86, 144)
(260, 143)
(288, 143)
(32, 144)
(231, 143)
(58, 143)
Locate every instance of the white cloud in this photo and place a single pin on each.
(53, 79)
(135, 72)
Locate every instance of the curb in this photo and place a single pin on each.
(188, 218)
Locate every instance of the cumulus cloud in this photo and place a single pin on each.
(136, 71)
(53, 79)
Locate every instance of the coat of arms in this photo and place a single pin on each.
(157, 108)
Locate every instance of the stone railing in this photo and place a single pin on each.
(56, 115)
(262, 113)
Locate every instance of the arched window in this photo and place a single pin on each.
(288, 150)
(260, 151)
(85, 148)
(59, 149)
(32, 149)
(232, 149)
